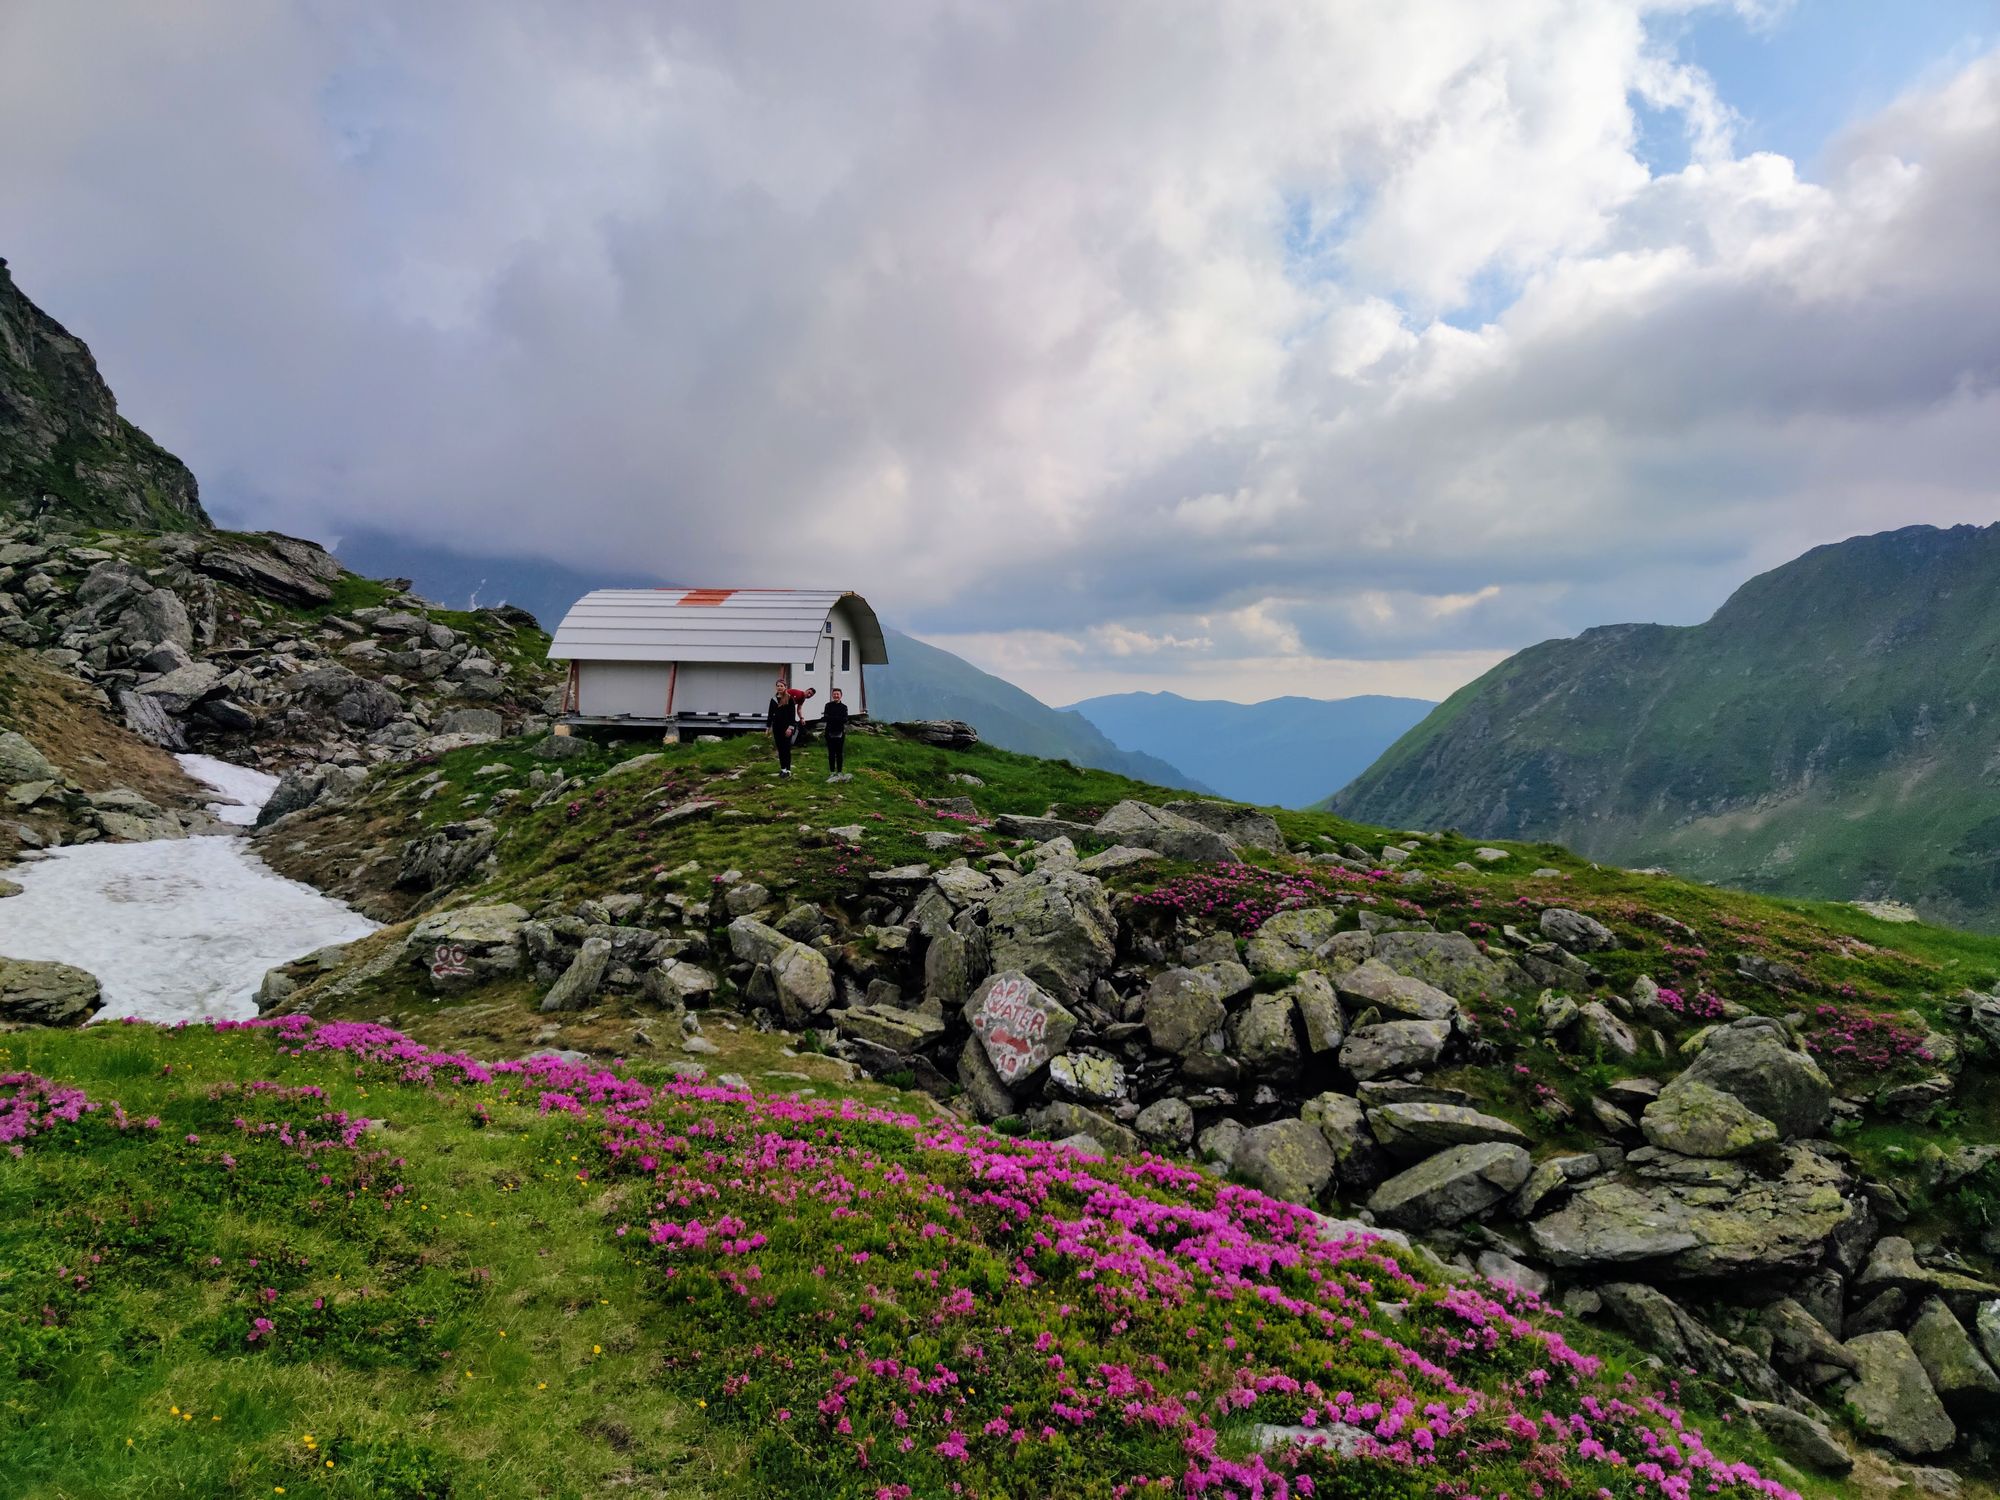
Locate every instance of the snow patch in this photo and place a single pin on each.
(174, 929)
(244, 791)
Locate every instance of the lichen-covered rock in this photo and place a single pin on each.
(468, 946)
(988, 1096)
(1375, 983)
(1168, 1123)
(1063, 1119)
(1957, 1371)
(1247, 826)
(1182, 1007)
(1219, 1141)
(1695, 1217)
(1289, 1159)
(33, 993)
(901, 1031)
(580, 981)
(1394, 1047)
(1285, 943)
(1264, 1039)
(1020, 1025)
(1319, 1011)
(444, 858)
(1892, 1397)
(1358, 1159)
(1695, 1120)
(1754, 1059)
(1056, 928)
(1147, 827)
(1409, 1131)
(1452, 962)
(1576, 931)
(1087, 1078)
(1451, 1186)
(1802, 1439)
(21, 761)
(803, 981)
(1602, 1034)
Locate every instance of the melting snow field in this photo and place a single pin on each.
(174, 929)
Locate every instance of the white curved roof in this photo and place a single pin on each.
(742, 625)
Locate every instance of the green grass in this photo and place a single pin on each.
(472, 1342)
(455, 1311)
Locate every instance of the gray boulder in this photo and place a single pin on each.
(581, 980)
(1804, 1440)
(1698, 1218)
(1087, 1078)
(803, 981)
(1394, 1047)
(1957, 1371)
(1754, 1059)
(1695, 1120)
(1358, 1159)
(900, 1031)
(1576, 932)
(1375, 983)
(1286, 943)
(1892, 1398)
(444, 858)
(1288, 1159)
(1264, 1038)
(983, 1087)
(1219, 1141)
(1319, 1011)
(33, 993)
(1145, 826)
(482, 722)
(1167, 1123)
(1246, 827)
(1182, 1007)
(181, 689)
(21, 761)
(1410, 1131)
(1451, 1186)
(1056, 928)
(1020, 1025)
(468, 946)
(1450, 961)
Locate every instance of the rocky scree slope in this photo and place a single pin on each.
(64, 449)
(1824, 734)
(1753, 1137)
(255, 648)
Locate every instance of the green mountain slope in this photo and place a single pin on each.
(1283, 752)
(1827, 733)
(63, 447)
(924, 682)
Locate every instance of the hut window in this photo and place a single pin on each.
(844, 661)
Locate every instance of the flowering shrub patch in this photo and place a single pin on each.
(1851, 1039)
(869, 1302)
(1242, 897)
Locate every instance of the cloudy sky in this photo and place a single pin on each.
(1236, 348)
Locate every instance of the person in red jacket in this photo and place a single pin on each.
(782, 719)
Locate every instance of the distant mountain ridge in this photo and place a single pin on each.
(1830, 731)
(63, 446)
(1284, 752)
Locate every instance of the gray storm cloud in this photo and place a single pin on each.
(1102, 344)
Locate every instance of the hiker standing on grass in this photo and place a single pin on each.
(781, 718)
(834, 722)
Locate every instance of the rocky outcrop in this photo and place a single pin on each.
(1056, 928)
(1450, 1186)
(46, 994)
(64, 448)
(1691, 1217)
(1755, 1060)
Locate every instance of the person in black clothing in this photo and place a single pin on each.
(781, 718)
(834, 722)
